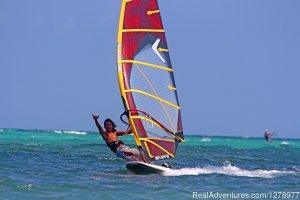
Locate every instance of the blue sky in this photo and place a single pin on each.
(236, 64)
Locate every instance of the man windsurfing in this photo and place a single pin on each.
(267, 134)
(110, 136)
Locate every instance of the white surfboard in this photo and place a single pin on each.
(145, 168)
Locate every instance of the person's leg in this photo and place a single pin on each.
(128, 154)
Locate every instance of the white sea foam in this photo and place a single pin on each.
(29, 186)
(108, 158)
(58, 132)
(296, 168)
(284, 143)
(76, 132)
(205, 139)
(227, 170)
(1, 130)
(71, 132)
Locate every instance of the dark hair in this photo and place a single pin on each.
(113, 124)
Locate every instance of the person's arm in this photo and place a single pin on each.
(101, 130)
(120, 133)
(270, 133)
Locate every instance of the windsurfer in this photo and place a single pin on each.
(267, 134)
(110, 136)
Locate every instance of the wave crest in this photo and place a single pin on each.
(72, 132)
(227, 170)
(285, 143)
(205, 139)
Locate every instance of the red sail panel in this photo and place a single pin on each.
(136, 17)
(155, 151)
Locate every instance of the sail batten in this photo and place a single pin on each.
(146, 79)
(143, 30)
(154, 97)
(147, 64)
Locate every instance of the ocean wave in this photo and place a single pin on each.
(227, 170)
(284, 143)
(72, 132)
(108, 158)
(245, 137)
(43, 131)
(296, 168)
(28, 187)
(205, 139)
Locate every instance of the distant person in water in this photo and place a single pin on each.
(110, 136)
(267, 134)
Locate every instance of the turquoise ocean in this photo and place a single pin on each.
(55, 164)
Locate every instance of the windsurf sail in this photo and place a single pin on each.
(146, 80)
